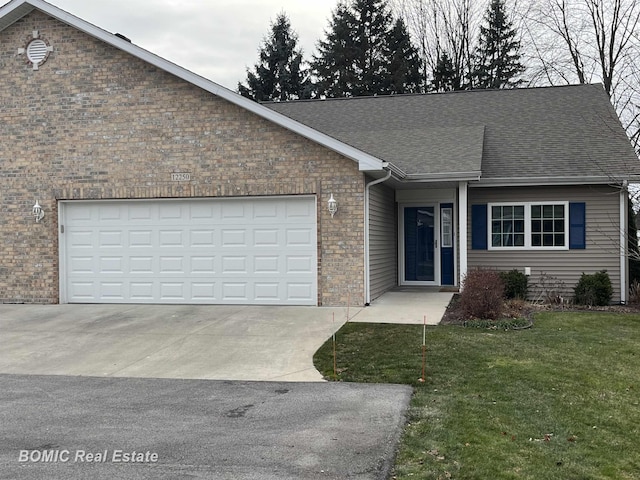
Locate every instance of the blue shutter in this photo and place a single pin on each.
(577, 222)
(479, 227)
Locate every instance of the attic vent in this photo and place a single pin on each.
(36, 51)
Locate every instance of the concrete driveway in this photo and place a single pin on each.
(165, 341)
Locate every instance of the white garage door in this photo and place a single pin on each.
(225, 251)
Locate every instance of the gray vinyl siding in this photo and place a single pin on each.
(383, 237)
(602, 237)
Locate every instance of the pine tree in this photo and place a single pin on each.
(279, 75)
(365, 53)
(497, 57)
(334, 67)
(445, 78)
(404, 64)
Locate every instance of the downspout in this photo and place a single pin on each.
(624, 231)
(367, 273)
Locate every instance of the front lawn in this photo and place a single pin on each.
(558, 401)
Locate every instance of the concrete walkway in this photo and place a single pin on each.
(407, 305)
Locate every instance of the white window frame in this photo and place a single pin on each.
(527, 225)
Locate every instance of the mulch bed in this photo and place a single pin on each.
(519, 309)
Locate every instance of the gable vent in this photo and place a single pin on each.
(36, 51)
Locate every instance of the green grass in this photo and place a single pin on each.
(557, 401)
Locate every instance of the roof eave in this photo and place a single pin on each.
(17, 9)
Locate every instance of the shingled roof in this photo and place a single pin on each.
(546, 135)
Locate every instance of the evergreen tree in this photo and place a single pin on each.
(404, 64)
(445, 78)
(279, 75)
(334, 67)
(497, 57)
(365, 53)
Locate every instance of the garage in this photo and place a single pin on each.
(253, 251)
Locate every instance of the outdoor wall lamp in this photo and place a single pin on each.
(333, 206)
(37, 212)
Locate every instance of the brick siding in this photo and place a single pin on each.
(94, 122)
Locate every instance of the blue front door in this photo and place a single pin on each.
(419, 244)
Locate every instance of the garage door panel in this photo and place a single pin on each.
(140, 238)
(141, 291)
(171, 238)
(300, 264)
(112, 291)
(172, 291)
(203, 238)
(110, 213)
(112, 265)
(240, 251)
(80, 238)
(265, 210)
(302, 291)
(299, 237)
(234, 238)
(140, 265)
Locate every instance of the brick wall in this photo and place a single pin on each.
(96, 123)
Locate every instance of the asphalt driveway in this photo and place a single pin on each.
(165, 341)
(60, 427)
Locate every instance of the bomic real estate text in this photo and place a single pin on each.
(83, 456)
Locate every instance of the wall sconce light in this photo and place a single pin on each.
(37, 212)
(333, 206)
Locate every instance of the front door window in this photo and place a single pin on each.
(419, 244)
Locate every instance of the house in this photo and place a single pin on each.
(128, 179)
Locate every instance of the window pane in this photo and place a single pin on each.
(495, 240)
(507, 213)
(547, 211)
(558, 226)
(536, 240)
(547, 240)
(535, 211)
(495, 227)
(496, 212)
(559, 242)
(547, 225)
(519, 240)
(519, 212)
(536, 226)
(518, 226)
(558, 211)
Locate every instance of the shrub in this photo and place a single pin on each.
(593, 289)
(634, 292)
(515, 284)
(550, 290)
(482, 294)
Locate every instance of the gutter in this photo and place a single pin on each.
(538, 181)
(367, 274)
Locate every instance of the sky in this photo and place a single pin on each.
(218, 39)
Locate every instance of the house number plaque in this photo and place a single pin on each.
(180, 177)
